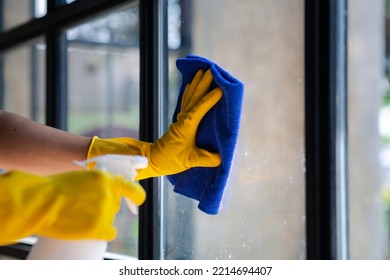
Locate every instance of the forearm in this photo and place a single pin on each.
(30, 146)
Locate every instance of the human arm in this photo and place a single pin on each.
(29, 146)
(40, 149)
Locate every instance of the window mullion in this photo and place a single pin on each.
(56, 101)
(55, 71)
(153, 76)
(326, 129)
(52, 5)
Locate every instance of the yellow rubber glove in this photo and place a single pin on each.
(176, 150)
(74, 205)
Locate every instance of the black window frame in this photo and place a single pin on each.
(325, 84)
(326, 145)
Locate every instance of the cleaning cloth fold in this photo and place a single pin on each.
(217, 132)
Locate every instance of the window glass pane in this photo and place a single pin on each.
(103, 91)
(20, 11)
(24, 82)
(369, 157)
(263, 209)
(16, 12)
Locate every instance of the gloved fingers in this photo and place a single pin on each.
(202, 88)
(185, 99)
(205, 104)
(204, 158)
(134, 191)
(108, 233)
(189, 91)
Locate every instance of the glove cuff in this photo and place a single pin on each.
(121, 146)
(93, 149)
(125, 146)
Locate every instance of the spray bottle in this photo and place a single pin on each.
(56, 249)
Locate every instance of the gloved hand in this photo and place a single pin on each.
(73, 205)
(176, 150)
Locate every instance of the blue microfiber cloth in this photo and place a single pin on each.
(217, 132)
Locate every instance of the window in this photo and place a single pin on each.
(25, 63)
(263, 209)
(368, 129)
(306, 181)
(103, 91)
(80, 73)
(16, 13)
